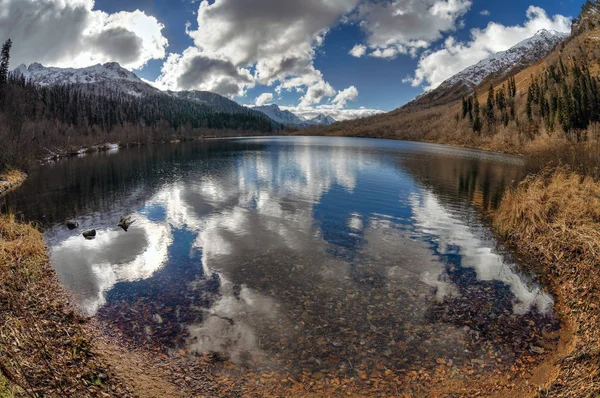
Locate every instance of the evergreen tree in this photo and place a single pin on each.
(4, 61)
(489, 108)
(476, 119)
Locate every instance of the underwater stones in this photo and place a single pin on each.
(89, 235)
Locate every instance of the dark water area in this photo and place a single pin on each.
(315, 254)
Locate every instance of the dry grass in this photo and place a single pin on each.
(582, 158)
(44, 350)
(10, 179)
(555, 217)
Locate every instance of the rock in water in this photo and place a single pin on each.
(91, 234)
(72, 224)
(125, 223)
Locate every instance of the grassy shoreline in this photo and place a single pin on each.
(553, 216)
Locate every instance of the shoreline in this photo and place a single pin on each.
(544, 375)
(10, 180)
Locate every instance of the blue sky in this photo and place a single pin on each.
(292, 53)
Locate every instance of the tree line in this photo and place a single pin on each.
(37, 121)
(563, 98)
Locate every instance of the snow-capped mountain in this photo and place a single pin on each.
(290, 119)
(279, 115)
(46, 76)
(109, 75)
(322, 120)
(501, 64)
(116, 78)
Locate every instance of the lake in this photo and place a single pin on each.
(297, 254)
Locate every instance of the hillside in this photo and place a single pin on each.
(496, 66)
(556, 97)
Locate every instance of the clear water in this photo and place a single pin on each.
(303, 254)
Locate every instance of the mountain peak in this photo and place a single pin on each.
(500, 64)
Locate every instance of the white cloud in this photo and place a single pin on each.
(316, 93)
(343, 96)
(70, 33)
(358, 50)
(336, 107)
(276, 39)
(264, 98)
(198, 70)
(485, 13)
(406, 26)
(453, 57)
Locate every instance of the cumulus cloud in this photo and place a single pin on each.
(406, 26)
(316, 93)
(358, 50)
(485, 13)
(264, 98)
(275, 39)
(197, 70)
(453, 57)
(336, 107)
(71, 33)
(343, 96)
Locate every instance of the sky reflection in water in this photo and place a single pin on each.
(300, 252)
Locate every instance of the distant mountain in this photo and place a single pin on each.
(322, 120)
(116, 78)
(290, 119)
(110, 75)
(499, 65)
(280, 116)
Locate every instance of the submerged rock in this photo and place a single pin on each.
(91, 234)
(72, 224)
(125, 223)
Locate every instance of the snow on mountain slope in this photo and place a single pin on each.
(280, 116)
(288, 118)
(115, 78)
(322, 120)
(518, 57)
(110, 74)
(46, 76)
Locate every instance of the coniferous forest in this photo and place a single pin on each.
(43, 121)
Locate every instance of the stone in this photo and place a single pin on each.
(91, 234)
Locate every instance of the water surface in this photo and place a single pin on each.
(301, 254)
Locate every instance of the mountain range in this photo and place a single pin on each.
(288, 118)
(115, 78)
(112, 76)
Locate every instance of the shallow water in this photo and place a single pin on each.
(303, 254)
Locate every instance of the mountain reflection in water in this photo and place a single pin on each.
(305, 254)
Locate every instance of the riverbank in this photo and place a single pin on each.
(10, 179)
(554, 217)
(44, 350)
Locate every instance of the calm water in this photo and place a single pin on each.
(304, 254)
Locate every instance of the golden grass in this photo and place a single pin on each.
(44, 350)
(10, 179)
(555, 217)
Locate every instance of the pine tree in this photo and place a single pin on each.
(528, 106)
(476, 119)
(4, 61)
(489, 108)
